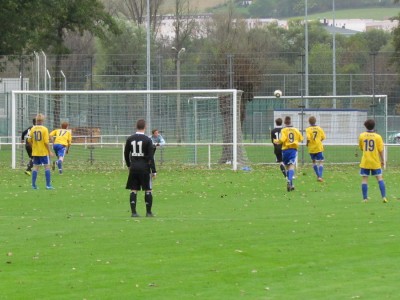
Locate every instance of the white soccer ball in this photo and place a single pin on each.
(278, 93)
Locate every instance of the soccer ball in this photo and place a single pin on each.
(278, 93)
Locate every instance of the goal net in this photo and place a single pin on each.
(201, 127)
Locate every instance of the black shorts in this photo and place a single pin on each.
(278, 154)
(28, 149)
(139, 181)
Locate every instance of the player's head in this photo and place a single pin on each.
(34, 121)
(278, 122)
(64, 125)
(288, 121)
(369, 124)
(141, 124)
(39, 119)
(312, 120)
(154, 132)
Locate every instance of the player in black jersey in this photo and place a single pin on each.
(139, 157)
(28, 147)
(275, 135)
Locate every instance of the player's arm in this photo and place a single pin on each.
(309, 136)
(52, 136)
(323, 135)
(381, 151)
(162, 141)
(282, 139)
(127, 153)
(150, 158)
(300, 136)
(360, 143)
(24, 133)
(69, 141)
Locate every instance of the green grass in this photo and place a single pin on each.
(111, 156)
(216, 235)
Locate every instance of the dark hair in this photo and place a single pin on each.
(288, 120)
(369, 124)
(278, 122)
(312, 120)
(64, 125)
(141, 124)
(154, 130)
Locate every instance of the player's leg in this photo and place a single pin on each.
(289, 159)
(132, 202)
(133, 185)
(60, 154)
(47, 172)
(382, 187)
(53, 164)
(279, 159)
(364, 183)
(321, 170)
(290, 175)
(320, 159)
(35, 170)
(315, 167)
(29, 166)
(283, 169)
(148, 197)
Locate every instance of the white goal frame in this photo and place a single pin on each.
(233, 92)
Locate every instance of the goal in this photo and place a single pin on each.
(341, 117)
(201, 127)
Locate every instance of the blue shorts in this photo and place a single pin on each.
(317, 156)
(368, 172)
(289, 156)
(41, 160)
(59, 150)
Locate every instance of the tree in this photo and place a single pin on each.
(123, 55)
(184, 25)
(136, 11)
(17, 18)
(70, 16)
(231, 58)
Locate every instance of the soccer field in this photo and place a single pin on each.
(217, 234)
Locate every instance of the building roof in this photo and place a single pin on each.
(340, 30)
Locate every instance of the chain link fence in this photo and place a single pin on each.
(258, 74)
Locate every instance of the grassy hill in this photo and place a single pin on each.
(201, 6)
(367, 13)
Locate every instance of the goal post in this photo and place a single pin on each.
(102, 120)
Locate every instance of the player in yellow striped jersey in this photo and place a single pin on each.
(39, 139)
(372, 161)
(62, 140)
(315, 136)
(290, 139)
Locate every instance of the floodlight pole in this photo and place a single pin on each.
(302, 106)
(334, 54)
(373, 82)
(65, 97)
(306, 53)
(178, 97)
(148, 104)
